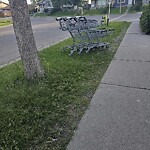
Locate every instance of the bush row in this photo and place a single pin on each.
(145, 19)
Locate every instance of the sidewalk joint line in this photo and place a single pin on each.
(126, 86)
(133, 33)
(131, 60)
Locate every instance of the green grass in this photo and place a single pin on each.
(65, 13)
(58, 13)
(44, 113)
(40, 15)
(117, 10)
(90, 12)
(5, 22)
(105, 11)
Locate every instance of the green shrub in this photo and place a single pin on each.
(145, 19)
(104, 10)
(135, 8)
(55, 10)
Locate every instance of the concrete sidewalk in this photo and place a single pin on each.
(118, 117)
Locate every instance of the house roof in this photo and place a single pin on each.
(7, 7)
(3, 3)
(4, 6)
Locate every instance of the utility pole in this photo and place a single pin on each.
(89, 1)
(89, 4)
(109, 5)
(120, 6)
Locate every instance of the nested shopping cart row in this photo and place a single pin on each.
(84, 32)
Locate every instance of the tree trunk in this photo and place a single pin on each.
(25, 39)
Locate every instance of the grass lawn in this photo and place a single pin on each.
(44, 113)
(100, 11)
(66, 13)
(117, 10)
(104, 11)
(5, 22)
(58, 13)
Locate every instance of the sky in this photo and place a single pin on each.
(6, 1)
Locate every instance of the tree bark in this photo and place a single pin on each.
(25, 39)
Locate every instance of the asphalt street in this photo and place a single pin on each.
(46, 32)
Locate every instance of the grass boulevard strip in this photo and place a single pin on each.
(5, 22)
(44, 113)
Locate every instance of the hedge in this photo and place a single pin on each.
(145, 19)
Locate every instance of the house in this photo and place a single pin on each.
(44, 6)
(114, 3)
(101, 3)
(4, 9)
